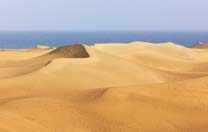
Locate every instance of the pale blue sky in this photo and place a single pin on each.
(103, 15)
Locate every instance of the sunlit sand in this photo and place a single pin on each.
(134, 87)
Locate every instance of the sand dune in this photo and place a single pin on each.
(131, 87)
(200, 46)
(12, 68)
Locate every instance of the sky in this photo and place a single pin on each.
(103, 15)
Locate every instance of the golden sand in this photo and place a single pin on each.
(134, 87)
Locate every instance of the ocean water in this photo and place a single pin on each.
(28, 39)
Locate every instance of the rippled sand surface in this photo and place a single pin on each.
(134, 87)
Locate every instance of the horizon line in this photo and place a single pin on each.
(99, 30)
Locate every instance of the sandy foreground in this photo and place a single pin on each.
(134, 87)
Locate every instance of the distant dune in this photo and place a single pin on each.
(39, 46)
(200, 46)
(132, 87)
(70, 51)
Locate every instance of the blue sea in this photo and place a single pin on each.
(28, 39)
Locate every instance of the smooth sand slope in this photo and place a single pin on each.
(134, 87)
